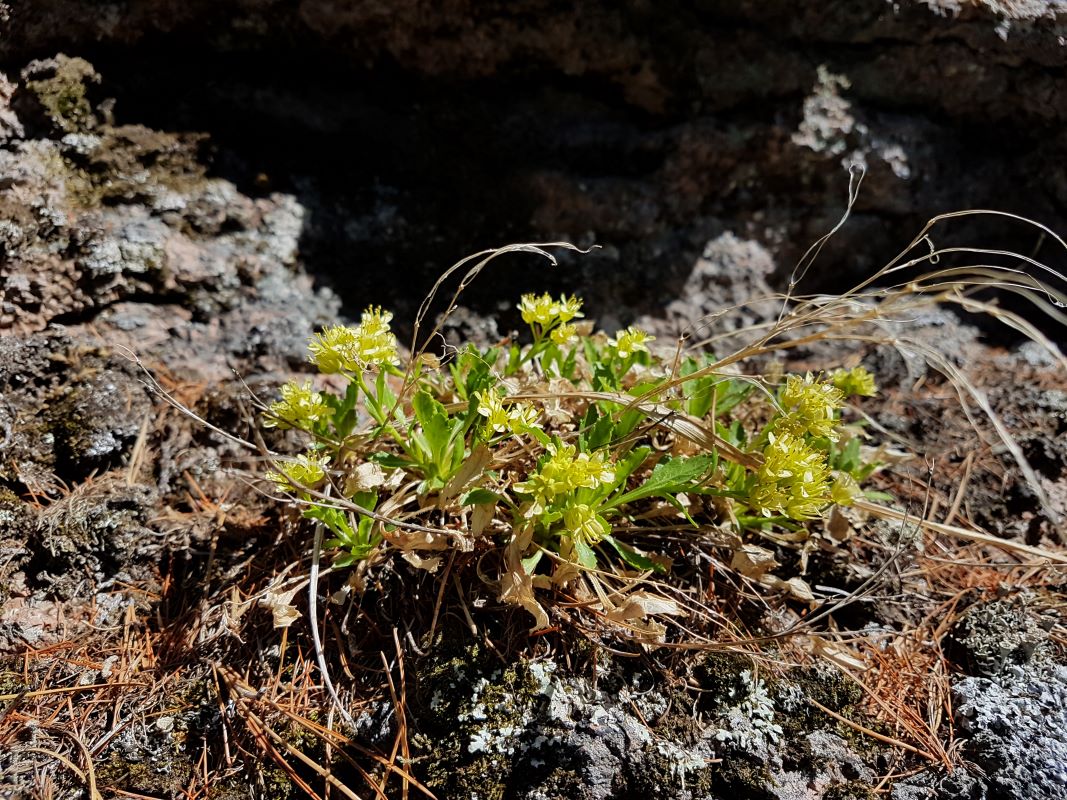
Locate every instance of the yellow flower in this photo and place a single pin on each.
(522, 417)
(584, 524)
(544, 311)
(330, 350)
(845, 490)
(591, 471)
(491, 407)
(569, 308)
(298, 408)
(630, 341)
(794, 479)
(811, 407)
(856, 381)
(305, 470)
(563, 472)
(539, 309)
(342, 349)
(375, 344)
(564, 334)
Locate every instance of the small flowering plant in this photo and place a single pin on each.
(563, 455)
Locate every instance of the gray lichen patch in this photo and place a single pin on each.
(533, 731)
(1001, 636)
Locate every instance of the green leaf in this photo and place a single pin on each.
(529, 564)
(624, 468)
(633, 558)
(599, 430)
(879, 497)
(386, 397)
(604, 379)
(479, 497)
(514, 360)
(434, 421)
(586, 556)
(334, 519)
(342, 560)
(731, 392)
(670, 476)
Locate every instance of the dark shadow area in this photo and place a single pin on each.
(401, 173)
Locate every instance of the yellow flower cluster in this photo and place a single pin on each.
(794, 479)
(563, 472)
(298, 408)
(544, 311)
(583, 523)
(305, 470)
(518, 417)
(630, 341)
(811, 407)
(339, 348)
(564, 334)
(855, 382)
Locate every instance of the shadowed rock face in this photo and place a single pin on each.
(413, 133)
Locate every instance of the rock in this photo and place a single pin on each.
(727, 291)
(1016, 727)
(68, 410)
(1001, 637)
(54, 95)
(649, 129)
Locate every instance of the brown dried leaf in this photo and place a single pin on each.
(643, 604)
(753, 561)
(839, 654)
(472, 468)
(431, 564)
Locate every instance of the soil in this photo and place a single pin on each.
(188, 190)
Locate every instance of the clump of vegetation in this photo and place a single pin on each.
(562, 455)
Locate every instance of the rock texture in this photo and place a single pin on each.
(413, 133)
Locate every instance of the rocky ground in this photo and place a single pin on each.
(204, 184)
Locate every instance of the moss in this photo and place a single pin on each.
(59, 88)
(656, 773)
(11, 682)
(18, 524)
(746, 779)
(850, 791)
(163, 772)
(130, 163)
(838, 693)
(719, 675)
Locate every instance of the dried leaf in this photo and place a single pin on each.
(839, 654)
(643, 604)
(472, 468)
(516, 588)
(431, 564)
(280, 605)
(797, 587)
(516, 584)
(425, 540)
(366, 477)
(838, 526)
(753, 561)
(481, 516)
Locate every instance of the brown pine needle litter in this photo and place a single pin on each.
(575, 498)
